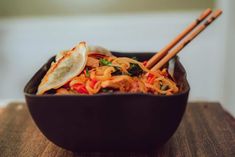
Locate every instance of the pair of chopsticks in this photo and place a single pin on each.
(163, 56)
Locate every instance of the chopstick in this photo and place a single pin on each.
(165, 50)
(187, 40)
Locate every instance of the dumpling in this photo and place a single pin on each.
(91, 50)
(99, 50)
(67, 66)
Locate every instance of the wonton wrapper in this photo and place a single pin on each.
(91, 50)
(99, 49)
(67, 65)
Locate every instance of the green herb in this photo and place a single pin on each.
(105, 62)
(134, 70)
(87, 73)
(107, 90)
(104, 90)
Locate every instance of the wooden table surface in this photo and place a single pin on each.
(205, 131)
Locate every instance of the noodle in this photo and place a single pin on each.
(106, 74)
(119, 74)
(95, 89)
(129, 60)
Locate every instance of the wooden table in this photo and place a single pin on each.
(206, 130)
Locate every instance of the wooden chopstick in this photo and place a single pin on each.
(187, 40)
(165, 50)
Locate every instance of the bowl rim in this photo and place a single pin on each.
(185, 91)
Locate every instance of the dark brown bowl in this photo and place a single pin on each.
(108, 122)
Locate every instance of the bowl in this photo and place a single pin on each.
(108, 122)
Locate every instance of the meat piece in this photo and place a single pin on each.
(138, 86)
(123, 83)
(92, 62)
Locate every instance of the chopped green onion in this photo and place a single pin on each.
(104, 90)
(105, 62)
(87, 73)
(107, 90)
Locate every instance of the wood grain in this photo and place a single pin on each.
(205, 131)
